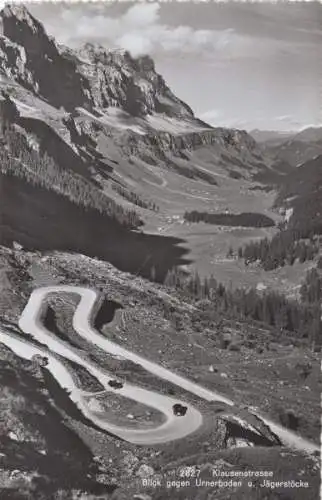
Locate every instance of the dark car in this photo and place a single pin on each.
(179, 410)
(116, 384)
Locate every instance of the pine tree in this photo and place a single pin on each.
(230, 252)
(153, 273)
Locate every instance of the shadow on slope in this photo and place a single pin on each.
(42, 220)
(67, 463)
(51, 144)
(63, 401)
(50, 322)
(106, 313)
(235, 430)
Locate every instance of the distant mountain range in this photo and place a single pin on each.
(270, 136)
(301, 188)
(294, 148)
(310, 134)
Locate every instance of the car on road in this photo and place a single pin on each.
(116, 384)
(179, 410)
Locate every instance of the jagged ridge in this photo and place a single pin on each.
(92, 77)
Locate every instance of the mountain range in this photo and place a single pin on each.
(293, 148)
(117, 142)
(94, 138)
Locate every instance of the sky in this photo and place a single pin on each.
(245, 65)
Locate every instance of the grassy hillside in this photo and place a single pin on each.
(39, 168)
(299, 238)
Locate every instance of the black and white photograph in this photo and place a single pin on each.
(160, 250)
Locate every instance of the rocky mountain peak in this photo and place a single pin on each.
(118, 79)
(117, 56)
(22, 28)
(91, 77)
(30, 57)
(20, 13)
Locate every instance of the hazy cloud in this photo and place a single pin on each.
(140, 31)
(212, 116)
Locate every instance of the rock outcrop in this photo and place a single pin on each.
(117, 79)
(31, 57)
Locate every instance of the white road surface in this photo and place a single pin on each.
(173, 428)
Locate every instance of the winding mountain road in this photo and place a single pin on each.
(173, 428)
